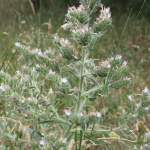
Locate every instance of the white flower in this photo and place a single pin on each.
(123, 110)
(29, 99)
(118, 57)
(33, 69)
(81, 114)
(86, 70)
(107, 10)
(138, 105)
(51, 72)
(129, 97)
(18, 72)
(50, 90)
(108, 66)
(134, 115)
(98, 114)
(25, 115)
(64, 140)
(147, 133)
(23, 22)
(66, 26)
(68, 113)
(56, 36)
(2, 88)
(17, 44)
(135, 147)
(37, 65)
(146, 90)
(4, 123)
(42, 142)
(141, 147)
(64, 80)
(39, 53)
(124, 63)
(136, 46)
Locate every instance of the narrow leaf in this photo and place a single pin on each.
(94, 140)
(55, 121)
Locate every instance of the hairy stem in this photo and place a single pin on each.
(81, 83)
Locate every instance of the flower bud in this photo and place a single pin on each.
(119, 72)
(82, 36)
(77, 14)
(103, 69)
(52, 76)
(41, 69)
(115, 61)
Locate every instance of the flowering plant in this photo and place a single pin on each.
(53, 128)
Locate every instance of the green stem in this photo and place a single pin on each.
(103, 130)
(81, 83)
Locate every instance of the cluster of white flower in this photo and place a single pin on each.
(4, 87)
(126, 78)
(74, 9)
(65, 42)
(81, 30)
(96, 114)
(118, 57)
(51, 72)
(17, 44)
(48, 51)
(36, 51)
(105, 13)
(106, 64)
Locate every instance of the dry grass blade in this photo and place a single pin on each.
(32, 7)
(70, 147)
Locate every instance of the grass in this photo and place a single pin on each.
(38, 32)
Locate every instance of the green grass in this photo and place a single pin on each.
(38, 32)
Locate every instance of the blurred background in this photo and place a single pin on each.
(34, 22)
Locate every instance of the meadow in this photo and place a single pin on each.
(19, 23)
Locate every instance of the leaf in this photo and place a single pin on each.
(91, 79)
(67, 70)
(41, 90)
(96, 88)
(35, 134)
(94, 140)
(2, 147)
(32, 139)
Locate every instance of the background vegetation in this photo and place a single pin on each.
(19, 23)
